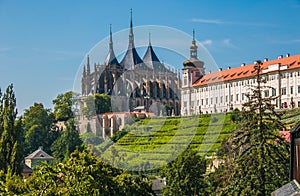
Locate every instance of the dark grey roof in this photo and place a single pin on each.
(39, 154)
(111, 58)
(152, 61)
(131, 59)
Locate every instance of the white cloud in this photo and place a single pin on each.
(293, 41)
(210, 21)
(227, 42)
(220, 22)
(6, 49)
(207, 42)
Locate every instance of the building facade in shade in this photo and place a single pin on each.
(134, 83)
(226, 90)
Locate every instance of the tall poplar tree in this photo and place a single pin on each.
(11, 134)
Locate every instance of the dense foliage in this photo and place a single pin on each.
(37, 123)
(97, 104)
(67, 143)
(11, 134)
(81, 174)
(64, 105)
(261, 157)
(185, 175)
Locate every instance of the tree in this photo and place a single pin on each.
(97, 104)
(11, 134)
(67, 143)
(37, 125)
(261, 158)
(82, 174)
(185, 175)
(63, 105)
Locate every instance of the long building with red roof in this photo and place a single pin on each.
(226, 90)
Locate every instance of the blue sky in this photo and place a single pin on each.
(42, 43)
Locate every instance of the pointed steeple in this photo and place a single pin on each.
(111, 58)
(193, 47)
(193, 61)
(84, 72)
(88, 68)
(151, 60)
(131, 58)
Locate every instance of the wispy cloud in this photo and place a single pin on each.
(228, 43)
(207, 42)
(6, 49)
(222, 22)
(210, 21)
(293, 41)
(59, 52)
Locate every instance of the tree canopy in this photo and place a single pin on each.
(37, 123)
(185, 175)
(67, 143)
(81, 174)
(261, 156)
(97, 104)
(63, 105)
(11, 134)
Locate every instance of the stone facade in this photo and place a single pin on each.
(133, 82)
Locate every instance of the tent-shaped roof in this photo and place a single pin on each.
(152, 61)
(39, 154)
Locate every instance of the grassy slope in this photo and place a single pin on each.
(166, 138)
(159, 140)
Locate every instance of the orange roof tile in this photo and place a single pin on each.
(247, 71)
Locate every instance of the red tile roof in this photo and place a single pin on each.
(246, 71)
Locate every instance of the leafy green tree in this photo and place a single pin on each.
(185, 175)
(67, 143)
(63, 105)
(37, 124)
(97, 104)
(11, 134)
(261, 163)
(85, 174)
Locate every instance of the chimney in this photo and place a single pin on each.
(287, 55)
(280, 57)
(243, 64)
(228, 67)
(266, 59)
(209, 71)
(220, 69)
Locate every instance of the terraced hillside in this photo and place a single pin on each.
(150, 143)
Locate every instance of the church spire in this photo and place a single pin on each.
(131, 37)
(131, 58)
(193, 47)
(110, 38)
(111, 58)
(149, 39)
(88, 68)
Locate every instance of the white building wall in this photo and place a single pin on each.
(222, 97)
